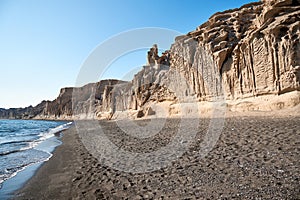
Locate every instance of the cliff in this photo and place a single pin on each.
(22, 113)
(249, 55)
(81, 101)
(70, 101)
(254, 49)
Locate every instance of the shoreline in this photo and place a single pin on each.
(13, 184)
(40, 179)
(17, 181)
(255, 157)
(47, 143)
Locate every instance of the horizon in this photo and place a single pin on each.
(44, 44)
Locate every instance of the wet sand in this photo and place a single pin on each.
(254, 158)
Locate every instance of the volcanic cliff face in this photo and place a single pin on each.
(254, 49)
(22, 113)
(249, 52)
(80, 101)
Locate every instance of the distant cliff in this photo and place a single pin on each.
(244, 53)
(64, 106)
(80, 101)
(22, 113)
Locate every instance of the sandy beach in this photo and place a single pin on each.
(254, 158)
(117, 100)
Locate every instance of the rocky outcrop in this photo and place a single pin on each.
(253, 50)
(83, 102)
(72, 101)
(22, 113)
(147, 86)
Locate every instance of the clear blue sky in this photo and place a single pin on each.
(44, 43)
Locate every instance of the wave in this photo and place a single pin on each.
(51, 132)
(9, 152)
(7, 130)
(6, 176)
(16, 142)
(48, 134)
(33, 143)
(30, 143)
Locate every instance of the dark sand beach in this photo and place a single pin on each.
(254, 158)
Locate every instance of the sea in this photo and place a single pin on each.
(24, 143)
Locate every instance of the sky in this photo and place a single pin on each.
(45, 44)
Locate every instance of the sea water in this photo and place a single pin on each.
(24, 143)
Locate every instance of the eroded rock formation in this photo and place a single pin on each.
(239, 53)
(23, 113)
(253, 50)
(246, 52)
(83, 101)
